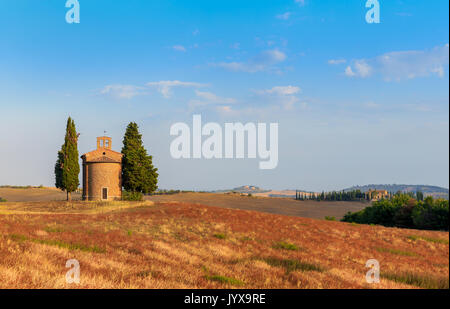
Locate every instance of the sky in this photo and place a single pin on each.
(356, 103)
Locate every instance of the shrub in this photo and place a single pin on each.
(403, 216)
(396, 251)
(285, 246)
(404, 212)
(2, 200)
(329, 218)
(381, 213)
(429, 239)
(220, 236)
(132, 196)
(292, 265)
(225, 280)
(419, 280)
(431, 215)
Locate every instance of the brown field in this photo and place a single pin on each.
(181, 245)
(274, 205)
(34, 194)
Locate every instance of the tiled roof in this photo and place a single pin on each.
(103, 155)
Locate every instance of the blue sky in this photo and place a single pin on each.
(356, 103)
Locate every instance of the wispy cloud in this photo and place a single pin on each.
(284, 95)
(211, 97)
(122, 91)
(360, 69)
(265, 61)
(403, 65)
(300, 2)
(284, 16)
(208, 99)
(349, 72)
(336, 61)
(179, 48)
(281, 90)
(164, 87)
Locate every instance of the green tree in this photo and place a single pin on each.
(138, 173)
(419, 195)
(67, 166)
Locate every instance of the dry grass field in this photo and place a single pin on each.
(181, 245)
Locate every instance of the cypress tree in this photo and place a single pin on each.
(59, 170)
(67, 166)
(138, 173)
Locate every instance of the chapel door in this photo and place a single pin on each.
(104, 193)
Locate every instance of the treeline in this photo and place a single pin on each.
(405, 212)
(169, 192)
(355, 195)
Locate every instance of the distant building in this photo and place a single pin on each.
(102, 172)
(376, 195)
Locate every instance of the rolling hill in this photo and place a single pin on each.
(182, 245)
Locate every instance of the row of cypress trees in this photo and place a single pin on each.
(139, 176)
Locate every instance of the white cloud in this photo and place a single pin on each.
(179, 48)
(349, 72)
(273, 56)
(122, 91)
(403, 65)
(284, 16)
(205, 99)
(282, 90)
(211, 97)
(336, 61)
(300, 2)
(284, 95)
(164, 87)
(360, 69)
(266, 60)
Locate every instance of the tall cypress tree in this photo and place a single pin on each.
(138, 172)
(67, 166)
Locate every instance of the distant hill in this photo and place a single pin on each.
(245, 189)
(434, 191)
(427, 190)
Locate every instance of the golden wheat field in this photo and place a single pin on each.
(181, 245)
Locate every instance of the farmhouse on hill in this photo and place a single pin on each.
(102, 172)
(376, 195)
